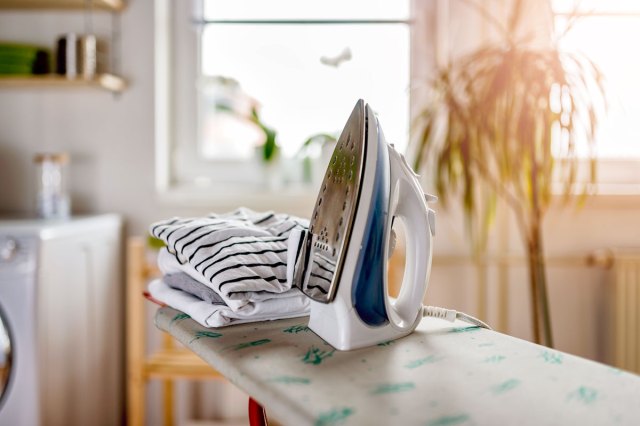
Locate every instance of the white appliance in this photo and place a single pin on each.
(61, 296)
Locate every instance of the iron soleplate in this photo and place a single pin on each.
(319, 265)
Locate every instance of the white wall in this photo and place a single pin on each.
(580, 296)
(110, 139)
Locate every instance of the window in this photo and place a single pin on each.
(606, 31)
(239, 69)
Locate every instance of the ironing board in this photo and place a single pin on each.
(443, 374)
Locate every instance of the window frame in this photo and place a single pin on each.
(167, 183)
(167, 187)
(618, 177)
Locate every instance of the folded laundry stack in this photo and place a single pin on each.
(230, 268)
(23, 59)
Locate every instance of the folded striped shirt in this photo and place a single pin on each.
(241, 255)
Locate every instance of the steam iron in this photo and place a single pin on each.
(342, 262)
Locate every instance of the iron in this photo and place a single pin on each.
(342, 263)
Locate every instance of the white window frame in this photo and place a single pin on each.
(618, 178)
(291, 199)
(296, 201)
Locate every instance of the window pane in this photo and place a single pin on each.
(306, 79)
(606, 40)
(296, 9)
(596, 6)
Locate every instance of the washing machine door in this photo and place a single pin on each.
(6, 357)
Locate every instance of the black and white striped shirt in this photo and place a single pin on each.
(233, 253)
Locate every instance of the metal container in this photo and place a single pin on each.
(87, 56)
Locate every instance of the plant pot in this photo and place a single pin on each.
(270, 170)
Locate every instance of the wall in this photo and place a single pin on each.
(580, 296)
(110, 138)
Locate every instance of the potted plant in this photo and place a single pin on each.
(315, 153)
(504, 122)
(227, 97)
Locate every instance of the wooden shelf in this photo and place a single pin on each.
(109, 82)
(115, 5)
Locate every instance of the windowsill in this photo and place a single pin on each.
(609, 196)
(618, 179)
(621, 187)
(617, 190)
(297, 200)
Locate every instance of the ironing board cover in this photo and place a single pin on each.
(443, 374)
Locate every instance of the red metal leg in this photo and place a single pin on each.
(257, 415)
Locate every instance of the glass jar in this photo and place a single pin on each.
(52, 194)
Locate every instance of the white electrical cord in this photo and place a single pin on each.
(451, 315)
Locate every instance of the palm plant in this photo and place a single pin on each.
(505, 122)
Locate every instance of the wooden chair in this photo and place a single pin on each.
(167, 364)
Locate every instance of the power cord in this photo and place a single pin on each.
(451, 315)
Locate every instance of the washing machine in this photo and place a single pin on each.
(60, 321)
(18, 328)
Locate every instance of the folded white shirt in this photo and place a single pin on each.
(168, 265)
(220, 315)
(242, 255)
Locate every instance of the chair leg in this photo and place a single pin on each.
(257, 415)
(136, 394)
(136, 376)
(167, 399)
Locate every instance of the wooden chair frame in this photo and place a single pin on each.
(167, 364)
